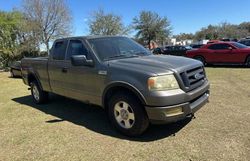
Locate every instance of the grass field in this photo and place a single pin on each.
(66, 129)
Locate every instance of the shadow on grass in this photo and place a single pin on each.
(94, 118)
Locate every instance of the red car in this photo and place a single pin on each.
(222, 53)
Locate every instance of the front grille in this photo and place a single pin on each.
(193, 78)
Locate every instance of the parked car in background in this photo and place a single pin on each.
(196, 46)
(158, 51)
(176, 50)
(188, 47)
(222, 53)
(15, 69)
(229, 39)
(245, 42)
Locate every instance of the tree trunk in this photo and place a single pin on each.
(149, 46)
(47, 46)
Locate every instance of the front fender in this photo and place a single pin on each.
(126, 85)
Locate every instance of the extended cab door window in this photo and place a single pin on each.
(59, 50)
(76, 47)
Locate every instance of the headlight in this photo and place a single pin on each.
(161, 83)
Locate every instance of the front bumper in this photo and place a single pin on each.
(174, 113)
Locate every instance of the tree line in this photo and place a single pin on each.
(39, 22)
(220, 31)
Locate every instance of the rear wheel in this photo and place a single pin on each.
(39, 96)
(127, 114)
(201, 59)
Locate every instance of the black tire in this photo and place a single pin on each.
(12, 75)
(140, 122)
(248, 61)
(39, 96)
(201, 59)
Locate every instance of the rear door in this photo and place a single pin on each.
(56, 67)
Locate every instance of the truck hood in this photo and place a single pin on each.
(156, 64)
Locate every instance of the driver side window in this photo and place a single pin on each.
(76, 47)
(219, 47)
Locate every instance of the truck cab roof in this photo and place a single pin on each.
(87, 37)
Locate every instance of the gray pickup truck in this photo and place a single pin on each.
(134, 86)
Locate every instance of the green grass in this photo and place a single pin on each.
(66, 129)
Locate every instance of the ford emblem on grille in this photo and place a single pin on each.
(198, 76)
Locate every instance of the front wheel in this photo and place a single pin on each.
(127, 114)
(39, 96)
(201, 59)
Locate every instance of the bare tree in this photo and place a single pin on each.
(50, 19)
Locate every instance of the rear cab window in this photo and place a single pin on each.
(59, 50)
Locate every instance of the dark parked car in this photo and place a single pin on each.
(176, 50)
(229, 39)
(134, 86)
(158, 50)
(222, 53)
(196, 46)
(15, 69)
(245, 42)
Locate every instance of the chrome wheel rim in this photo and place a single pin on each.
(124, 115)
(35, 92)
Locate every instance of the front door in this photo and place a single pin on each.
(80, 81)
(222, 53)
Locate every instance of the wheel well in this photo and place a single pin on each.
(117, 89)
(31, 78)
(247, 58)
(202, 57)
(199, 56)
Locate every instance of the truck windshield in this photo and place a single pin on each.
(116, 47)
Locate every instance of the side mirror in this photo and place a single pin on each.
(230, 48)
(81, 60)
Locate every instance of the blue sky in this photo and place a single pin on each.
(185, 15)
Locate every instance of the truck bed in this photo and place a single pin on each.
(39, 67)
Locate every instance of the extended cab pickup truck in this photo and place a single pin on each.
(134, 86)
